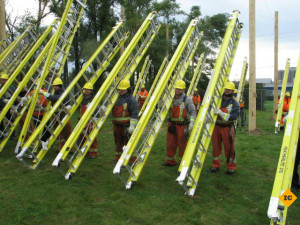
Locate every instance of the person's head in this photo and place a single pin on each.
(3, 78)
(57, 84)
(179, 88)
(287, 94)
(88, 88)
(196, 91)
(123, 86)
(229, 89)
(143, 87)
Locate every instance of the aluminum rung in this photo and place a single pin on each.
(82, 4)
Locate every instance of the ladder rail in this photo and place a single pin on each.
(282, 94)
(160, 71)
(197, 75)
(137, 85)
(277, 211)
(240, 91)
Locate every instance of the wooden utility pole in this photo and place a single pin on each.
(2, 21)
(252, 68)
(275, 66)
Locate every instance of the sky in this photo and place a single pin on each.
(289, 29)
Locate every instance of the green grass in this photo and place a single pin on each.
(96, 196)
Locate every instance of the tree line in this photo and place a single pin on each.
(101, 15)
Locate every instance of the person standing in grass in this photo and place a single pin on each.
(179, 125)
(224, 130)
(143, 95)
(196, 100)
(285, 108)
(125, 117)
(57, 85)
(88, 96)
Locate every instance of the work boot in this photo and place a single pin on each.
(214, 169)
(168, 164)
(230, 171)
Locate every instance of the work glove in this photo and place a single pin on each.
(223, 115)
(132, 126)
(46, 94)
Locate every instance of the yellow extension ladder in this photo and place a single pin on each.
(106, 97)
(14, 110)
(197, 75)
(198, 143)
(277, 211)
(165, 92)
(282, 94)
(100, 59)
(142, 77)
(240, 91)
(157, 77)
(53, 66)
(17, 50)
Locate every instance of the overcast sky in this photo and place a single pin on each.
(289, 29)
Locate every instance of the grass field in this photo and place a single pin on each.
(96, 196)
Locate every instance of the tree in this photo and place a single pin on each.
(2, 21)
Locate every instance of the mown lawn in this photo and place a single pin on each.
(96, 196)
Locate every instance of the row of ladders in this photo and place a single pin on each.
(23, 66)
(165, 92)
(282, 94)
(277, 211)
(17, 50)
(13, 112)
(161, 70)
(100, 59)
(240, 90)
(142, 77)
(198, 143)
(197, 75)
(53, 66)
(104, 100)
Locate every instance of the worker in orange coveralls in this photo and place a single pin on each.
(125, 117)
(196, 100)
(58, 91)
(87, 98)
(143, 96)
(224, 130)
(179, 124)
(285, 108)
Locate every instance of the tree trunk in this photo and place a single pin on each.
(2, 23)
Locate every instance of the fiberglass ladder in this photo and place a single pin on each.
(192, 163)
(106, 97)
(101, 58)
(277, 211)
(165, 92)
(282, 95)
